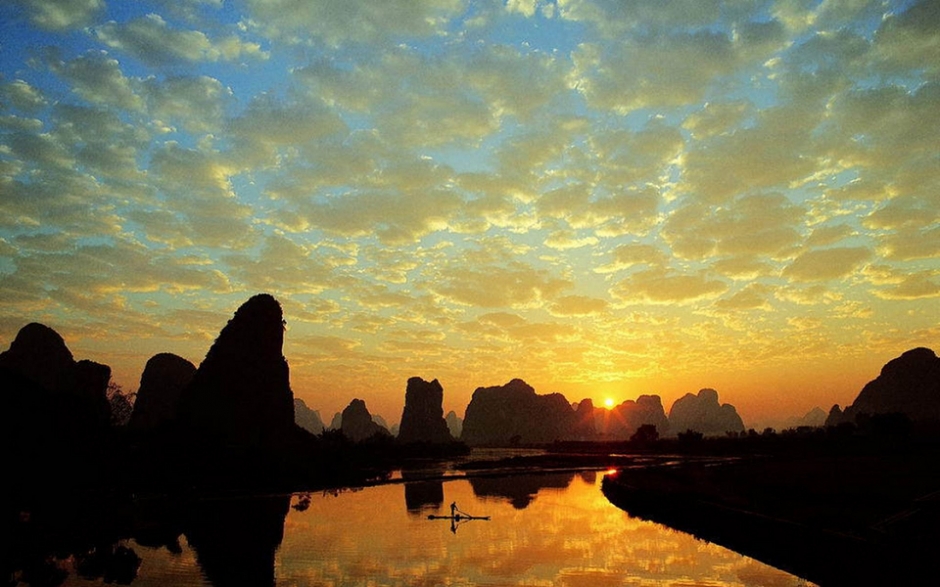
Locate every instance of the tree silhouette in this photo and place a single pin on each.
(120, 403)
(645, 434)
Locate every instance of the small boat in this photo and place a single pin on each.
(458, 517)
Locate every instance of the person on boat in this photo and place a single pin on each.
(453, 509)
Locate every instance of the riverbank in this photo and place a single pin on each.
(857, 518)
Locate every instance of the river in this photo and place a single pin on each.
(543, 529)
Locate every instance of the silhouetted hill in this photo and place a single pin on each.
(336, 423)
(39, 355)
(164, 378)
(514, 413)
(378, 419)
(422, 419)
(54, 414)
(357, 422)
(585, 416)
(241, 394)
(306, 418)
(454, 424)
(624, 420)
(813, 418)
(909, 385)
(702, 413)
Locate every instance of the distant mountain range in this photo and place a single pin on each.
(240, 395)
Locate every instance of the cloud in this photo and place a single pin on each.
(567, 306)
(61, 15)
(631, 211)
(717, 118)
(659, 286)
(457, 98)
(197, 187)
(524, 7)
(628, 255)
(568, 239)
(282, 267)
(103, 144)
(743, 267)
(512, 82)
(911, 39)
(504, 327)
(97, 78)
(906, 211)
(268, 125)
(667, 69)
(760, 224)
(394, 217)
(39, 149)
(772, 154)
(152, 40)
(625, 156)
(753, 296)
(353, 21)
(22, 96)
(333, 347)
(886, 127)
(197, 103)
(920, 285)
(826, 264)
(613, 18)
(909, 244)
(527, 154)
(827, 235)
(119, 267)
(515, 285)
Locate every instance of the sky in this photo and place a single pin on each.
(603, 198)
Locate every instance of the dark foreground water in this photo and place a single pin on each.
(544, 529)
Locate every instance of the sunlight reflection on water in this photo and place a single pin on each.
(544, 529)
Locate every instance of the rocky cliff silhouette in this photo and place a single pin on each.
(702, 413)
(54, 414)
(454, 423)
(625, 419)
(909, 385)
(422, 419)
(39, 355)
(585, 420)
(162, 383)
(306, 418)
(241, 394)
(813, 419)
(514, 413)
(357, 423)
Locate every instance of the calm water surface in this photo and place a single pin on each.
(547, 529)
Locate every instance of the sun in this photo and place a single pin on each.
(609, 402)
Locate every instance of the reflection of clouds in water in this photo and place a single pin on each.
(568, 537)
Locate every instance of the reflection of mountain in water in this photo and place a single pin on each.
(520, 490)
(423, 491)
(235, 540)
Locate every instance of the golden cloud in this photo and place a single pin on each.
(659, 286)
(826, 264)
